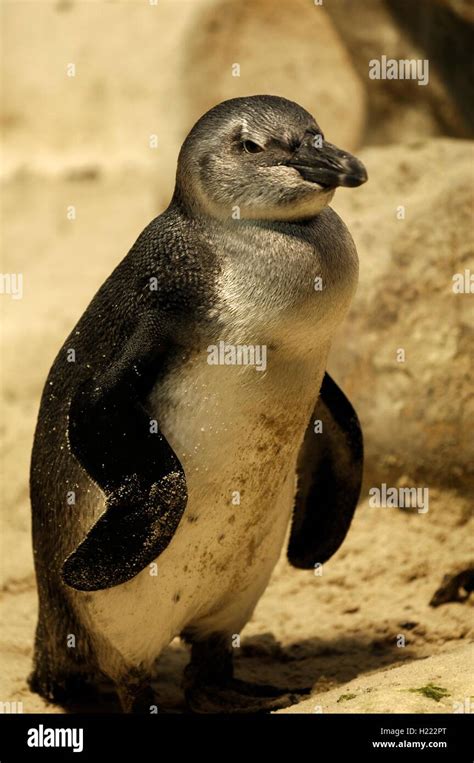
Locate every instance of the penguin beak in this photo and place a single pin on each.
(320, 162)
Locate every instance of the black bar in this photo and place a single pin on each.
(310, 737)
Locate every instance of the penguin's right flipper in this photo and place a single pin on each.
(113, 438)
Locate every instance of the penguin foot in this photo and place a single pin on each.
(210, 686)
(236, 696)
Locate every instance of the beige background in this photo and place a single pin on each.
(146, 70)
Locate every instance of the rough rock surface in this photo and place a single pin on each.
(438, 684)
(401, 109)
(315, 70)
(418, 414)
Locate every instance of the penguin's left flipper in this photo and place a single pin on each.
(122, 450)
(329, 478)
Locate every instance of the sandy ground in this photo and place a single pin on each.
(341, 632)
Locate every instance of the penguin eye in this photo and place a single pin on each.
(250, 147)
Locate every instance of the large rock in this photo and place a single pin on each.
(400, 109)
(418, 415)
(286, 49)
(438, 684)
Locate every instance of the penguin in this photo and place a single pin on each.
(167, 474)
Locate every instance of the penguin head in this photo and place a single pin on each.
(261, 157)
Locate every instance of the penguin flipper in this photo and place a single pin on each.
(113, 438)
(329, 478)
